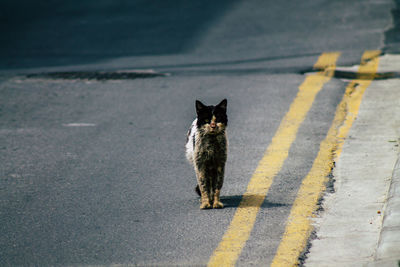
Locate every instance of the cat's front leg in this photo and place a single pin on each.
(204, 187)
(217, 204)
(205, 201)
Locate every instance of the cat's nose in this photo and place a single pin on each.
(213, 125)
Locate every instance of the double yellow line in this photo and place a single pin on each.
(298, 227)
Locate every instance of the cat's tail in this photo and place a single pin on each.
(197, 189)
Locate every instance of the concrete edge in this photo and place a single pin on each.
(388, 250)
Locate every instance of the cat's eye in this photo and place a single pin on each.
(207, 120)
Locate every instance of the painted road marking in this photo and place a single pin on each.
(299, 226)
(229, 249)
(79, 124)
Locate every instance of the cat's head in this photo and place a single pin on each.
(211, 119)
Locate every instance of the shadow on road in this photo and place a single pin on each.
(48, 33)
(234, 201)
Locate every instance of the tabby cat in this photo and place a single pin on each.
(206, 150)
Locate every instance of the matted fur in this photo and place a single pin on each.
(206, 150)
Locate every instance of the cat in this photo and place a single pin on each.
(206, 150)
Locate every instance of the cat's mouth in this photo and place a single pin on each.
(214, 130)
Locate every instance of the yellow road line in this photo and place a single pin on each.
(299, 226)
(228, 250)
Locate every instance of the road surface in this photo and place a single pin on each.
(93, 171)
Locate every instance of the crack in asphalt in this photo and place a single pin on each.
(98, 75)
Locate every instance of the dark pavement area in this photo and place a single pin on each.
(48, 33)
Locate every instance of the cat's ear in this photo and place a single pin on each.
(199, 106)
(223, 104)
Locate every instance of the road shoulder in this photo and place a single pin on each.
(356, 227)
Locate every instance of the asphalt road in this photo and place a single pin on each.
(93, 172)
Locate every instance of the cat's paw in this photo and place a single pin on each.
(205, 205)
(218, 205)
